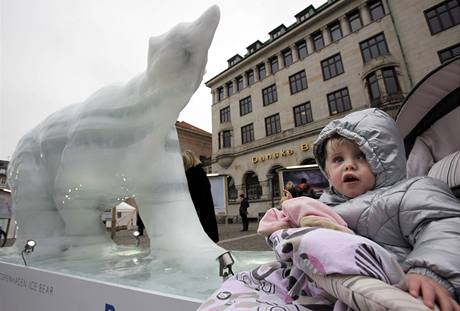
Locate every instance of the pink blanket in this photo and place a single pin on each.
(291, 214)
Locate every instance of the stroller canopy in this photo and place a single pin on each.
(429, 122)
(437, 94)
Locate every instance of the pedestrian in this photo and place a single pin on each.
(303, 189)
(200, 191)
(244, 205)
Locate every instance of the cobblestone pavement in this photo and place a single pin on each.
(231, 238)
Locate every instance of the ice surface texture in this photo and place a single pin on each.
(120, 143)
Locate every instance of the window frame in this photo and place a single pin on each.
(274, 64)
(230, 90)
(301, 46)
(353, 16)
(373, 88)
(269, 95)
(336, 64)
(302, 114)
(220, 93)
(261, 68)
(393, 79)
(225, 139)
(370, 48)
(449, 50)
(338, 95)
(272, 124)
(225, 115)
(298, 82)
(333, 28)
(318, 37)
(239, 83)
(250, 78)
(374, 7)
(288, 60)
(247, 133)
(245, 106)
(437, 17)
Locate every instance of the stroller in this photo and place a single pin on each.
(429, 121)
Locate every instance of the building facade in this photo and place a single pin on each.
(269, 105)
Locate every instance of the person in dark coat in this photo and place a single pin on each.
(200, 191)
(304, 189)
(244, 205)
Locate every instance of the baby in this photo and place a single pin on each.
(417, 219)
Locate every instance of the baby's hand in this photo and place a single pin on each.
(286, 196)
(431, 292)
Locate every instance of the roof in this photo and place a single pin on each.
(189, 127)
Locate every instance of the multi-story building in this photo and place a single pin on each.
(269, 105)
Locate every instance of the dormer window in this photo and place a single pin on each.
(234, 60)
(277, 32)
(254, 47)
(304, 14)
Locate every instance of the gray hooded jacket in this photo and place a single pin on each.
(416, 219)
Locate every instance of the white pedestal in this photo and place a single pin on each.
(26, 288)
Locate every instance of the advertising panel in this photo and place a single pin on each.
(26, 289)
(219, 192)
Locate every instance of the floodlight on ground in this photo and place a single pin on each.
(137, 235)
(28, 248)
(226, 262)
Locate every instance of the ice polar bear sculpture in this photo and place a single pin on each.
(120, 143)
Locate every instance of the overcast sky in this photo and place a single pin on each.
(57, 52)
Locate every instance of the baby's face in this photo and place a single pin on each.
(348, 170)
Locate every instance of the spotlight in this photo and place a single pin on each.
(226, 262)
(137, 235)
(28, 248)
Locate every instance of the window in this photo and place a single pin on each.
(225, 139)
(354, 20)
(232, 192)
(373, 88)
(332, 66)
(225, 114)
(338, 101)
(229, 88)
(253, 188)
(272, 124)
(335, 31)
(247, 133)
(287, 57)
(250, 77)
(374, 47)
(301, 49)
(269, 95)
(390, 78)
(239, 83)
(245, 106)
(449, 53)
(298, 82)
(376, 9)
(302, 114)
(220, 93)
(318, 41)
(443, 16)
(274, 66)
(261, 71)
